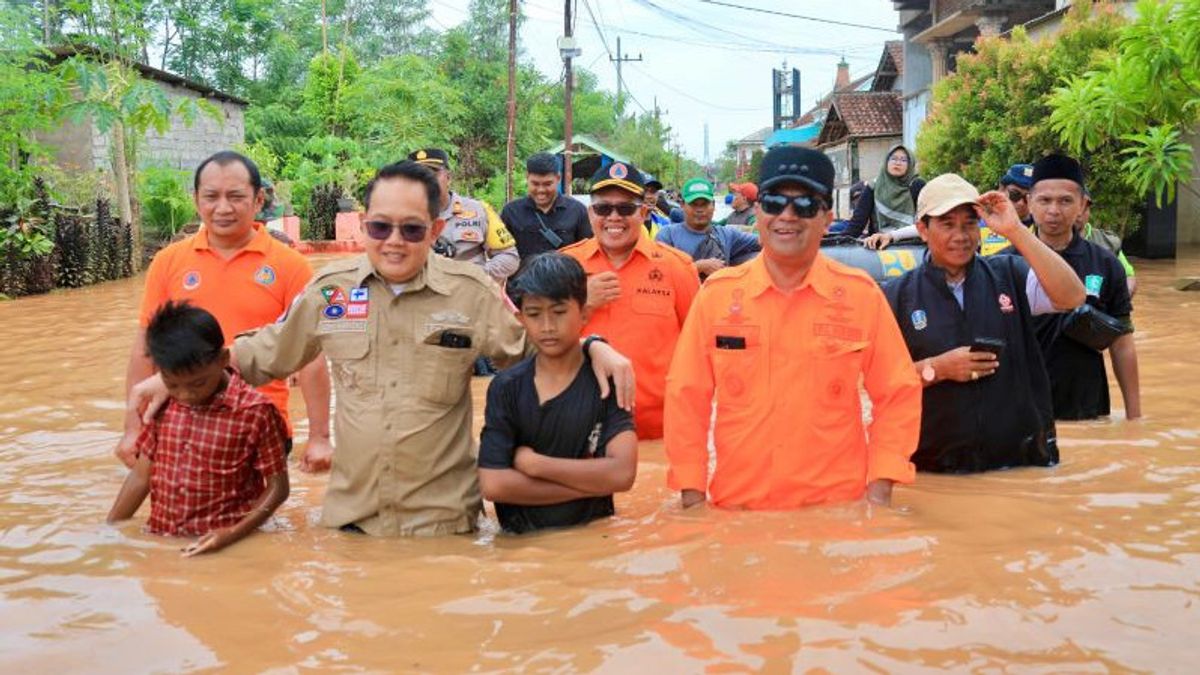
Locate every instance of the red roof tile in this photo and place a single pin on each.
(863, 114)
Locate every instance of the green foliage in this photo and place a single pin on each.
(167, 203)
(329, 78)
(995, 111)
(30, 97)
(1142, 95)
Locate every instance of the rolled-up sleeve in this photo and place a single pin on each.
(891, 382)
(688, 406)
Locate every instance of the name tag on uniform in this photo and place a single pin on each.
(326, 326)
(731, 342)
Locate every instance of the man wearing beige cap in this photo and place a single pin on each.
(968, 324)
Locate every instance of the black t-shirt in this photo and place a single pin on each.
(575, 424)
(567, 220)
(1001, 420)
(1078, 383)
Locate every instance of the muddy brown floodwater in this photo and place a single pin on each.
(1093, 566)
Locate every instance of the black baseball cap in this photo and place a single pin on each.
(652, 182)
(435, 158)
(792, 164)
(622, 175)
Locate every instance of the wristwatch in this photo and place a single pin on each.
(587, 343)
(927, 373)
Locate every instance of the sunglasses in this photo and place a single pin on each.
(805, 206)
(1015, 196)
(412, 233)
(624, 209)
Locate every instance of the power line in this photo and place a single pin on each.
(599, 32)
(712, 30)
(685, 94)
(799, 16)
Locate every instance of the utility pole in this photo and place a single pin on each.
(324, 29)
(621, 58)
(512, 100)
(568, 93)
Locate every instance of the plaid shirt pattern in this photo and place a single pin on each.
(209, 464)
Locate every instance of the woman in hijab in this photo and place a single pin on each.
(885, 210)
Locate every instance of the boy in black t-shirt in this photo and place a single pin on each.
(552, 451)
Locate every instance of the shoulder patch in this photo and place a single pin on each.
(338, 267)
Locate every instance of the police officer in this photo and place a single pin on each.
(400, 329)
(474, 233)
(968, 323)
(1078, 380)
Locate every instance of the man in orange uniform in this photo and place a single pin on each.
(781, 343)
(639, 290)
(238, 272)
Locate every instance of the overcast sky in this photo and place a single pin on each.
(718, 73)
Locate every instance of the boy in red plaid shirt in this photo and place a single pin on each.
(213, 460)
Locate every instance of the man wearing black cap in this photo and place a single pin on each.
(780, 345)
(639, 291)
(1014, 184)
(655, 218)
(1078, 381)
(474, 232)
(544, 220)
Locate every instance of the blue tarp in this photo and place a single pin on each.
(804, 134)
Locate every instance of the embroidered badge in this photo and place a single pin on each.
(358, 294)
(468, 234)
(618, 171)
(356, 310)
(1006, 303)
(656, 274)
(265, 275)
(1093, 282)
(919, 320)
(334, 312)
(334, 295)
(735, 307)
(191, 280)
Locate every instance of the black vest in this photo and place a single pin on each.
(1004, 419)
(1078, 383)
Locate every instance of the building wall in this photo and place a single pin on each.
(183, 147)
(77, 147)
(70, 145)
(1188, 229)
(840, 156)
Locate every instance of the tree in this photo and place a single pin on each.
(994, 111)
(1145, 95)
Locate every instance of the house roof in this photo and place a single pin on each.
(863, 115)
(801, 135)
(859, 84)
(63, 52)
(589, 142)
(891, 66)
(758, 137)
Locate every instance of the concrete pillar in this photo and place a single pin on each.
(990, 25)
(938, 51)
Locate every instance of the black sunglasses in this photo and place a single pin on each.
(412, 233)
(805, 206)
(1015, 196)
(624, 209)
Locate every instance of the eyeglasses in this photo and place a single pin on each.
(624, 209)
(805, 206)
(410, 232)
(1015, 196)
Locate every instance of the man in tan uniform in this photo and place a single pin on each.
(400, 329)
(473, 229)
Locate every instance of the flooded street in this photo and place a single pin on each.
(1093, 566)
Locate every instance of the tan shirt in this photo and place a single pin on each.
(405, 459)
(480, 237)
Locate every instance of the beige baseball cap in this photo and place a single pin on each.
(942, 194)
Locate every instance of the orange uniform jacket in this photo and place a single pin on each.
(657, 286)
(784, 370)
(250, 290)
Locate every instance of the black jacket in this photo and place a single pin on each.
(1002, 420)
